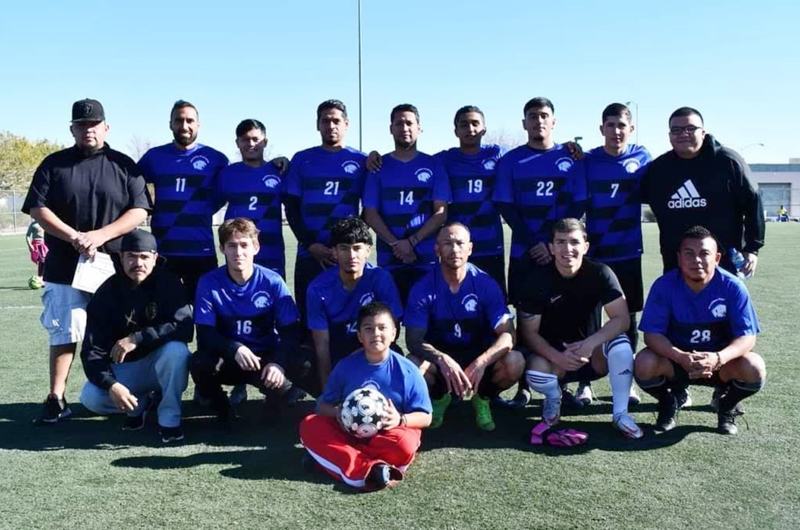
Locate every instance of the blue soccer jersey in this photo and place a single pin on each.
(246, 313)
(396, 378)
(403, 194)
(332, 308)
(256, 193)
(184, 182)
(329, 185)
(461, 323)
(544, 186)
(614, 211)
(704, 321)
(472, 180)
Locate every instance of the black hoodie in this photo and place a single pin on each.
(156, 312)
(712, 190)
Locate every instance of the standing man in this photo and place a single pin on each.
(254, 189)
(405, 203)
(324, 185)
(460, 332)
(700, 182)
(138, 325)
(85, 197)
(184, 174)
(700, 329)
(337, 294)
(614, 212)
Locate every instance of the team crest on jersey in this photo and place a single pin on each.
(564, 164)
(199, 162)
(718, 308)
(489, 164)
(151, 311)
(423, 174)
(367, 299)
(632, 165)
(470, 303)
(371, 383)
(350, 166)
(261, 299)
(271, 181)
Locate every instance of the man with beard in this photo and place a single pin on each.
(85, 197)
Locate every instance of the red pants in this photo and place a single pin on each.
(349, 459)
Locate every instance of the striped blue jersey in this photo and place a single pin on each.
(329, 185)
(614, 210)
(184, 183)
(403, 195)
(463, 322)
(544, 186)
(704, 321)
(257, 193)
(332, 308)
(472, 180)
(246, 313)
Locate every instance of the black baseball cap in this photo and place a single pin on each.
(88, 110)
(139, 241)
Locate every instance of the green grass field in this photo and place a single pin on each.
(86, 473)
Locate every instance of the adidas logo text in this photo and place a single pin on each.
(687, 196)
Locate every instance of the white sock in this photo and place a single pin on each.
(619, 356)
(543, 383)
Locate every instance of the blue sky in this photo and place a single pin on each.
(736, 61)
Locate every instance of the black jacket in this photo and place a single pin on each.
(712, 190)
(155, 312)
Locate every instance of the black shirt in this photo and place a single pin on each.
(571, 308)
(86, 193)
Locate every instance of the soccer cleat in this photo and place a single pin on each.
(667, 410)
(54, 409)
(569, 399)
(238, 394)
(520, 399)
(200, 399)
(135, 423)
(718, 394)
(633, 397)
(551, 411)
(380, 476)
(625, 424)
(483, 413)
(439, 408)
(170, 434)
(726, 422)
(585, 395)
(682, 397)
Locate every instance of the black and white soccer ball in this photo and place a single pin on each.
(362, 412)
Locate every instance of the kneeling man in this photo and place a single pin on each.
(380, 461)
(138, 324)
(700, 328)
(460, 332)
(560, 321)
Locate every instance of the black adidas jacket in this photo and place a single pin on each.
(155, 312)
(712, 190)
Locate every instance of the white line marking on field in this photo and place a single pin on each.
(21, 307)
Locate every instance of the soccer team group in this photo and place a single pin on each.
(441, 272)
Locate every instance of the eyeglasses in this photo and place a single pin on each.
(689, 129)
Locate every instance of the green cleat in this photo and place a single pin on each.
(439, 408)
(483, 413)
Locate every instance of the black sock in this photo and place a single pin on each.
(656, 387)
(736, 391)
(633, 333)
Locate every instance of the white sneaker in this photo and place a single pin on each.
(238, 394)
(625, 424)
(585, 394)
(633, 397)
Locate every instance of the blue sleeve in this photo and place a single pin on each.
(293, 186)
(495, 303)
(204, 311)
(219, 198)
(418, 308)
(742, 315)
(503, 186)
(144, 167)
(388, 294)
(441, 183)
(417, 398)
(372, 193)
(285, 308)
(334, 388)
(656, 314)
(315, 309)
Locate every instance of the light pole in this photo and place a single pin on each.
(360, 112)
(636, 106)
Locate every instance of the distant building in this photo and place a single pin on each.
(779, 185)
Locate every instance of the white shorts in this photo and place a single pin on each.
(64, 315)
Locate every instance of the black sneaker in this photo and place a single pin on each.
(135, 423)
(569, 400)
(54, 409)
(718, 394)
(170, 434)
(682, 397)
(294, 395)
(519, 401)
(726, 422)
(667, 410)
(379, 476)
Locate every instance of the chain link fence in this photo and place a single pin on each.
(12, 220)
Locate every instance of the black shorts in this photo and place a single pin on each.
(494, 266)
(681, 378)
(189, 269)
(629, 274)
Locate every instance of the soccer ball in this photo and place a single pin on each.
(35, 282)
(362, 412)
